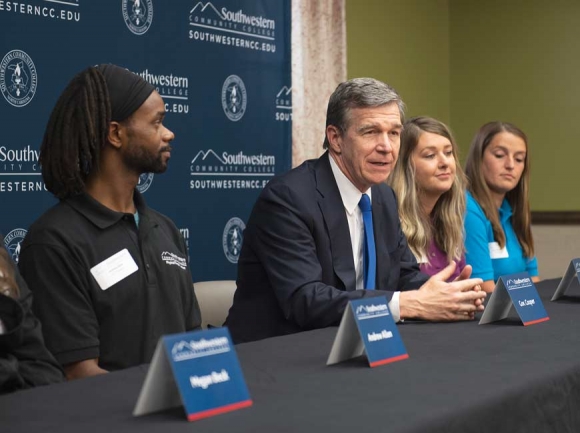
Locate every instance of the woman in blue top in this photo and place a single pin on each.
(498, 235)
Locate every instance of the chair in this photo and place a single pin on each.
(215, 299)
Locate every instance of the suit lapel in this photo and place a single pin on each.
(334, 215)
(380, 229)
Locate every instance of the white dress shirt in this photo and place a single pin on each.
(350, 198)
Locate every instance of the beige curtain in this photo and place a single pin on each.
(318, 65)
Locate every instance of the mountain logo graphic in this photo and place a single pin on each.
(361, 309)
(284, 91)
(207, 157)
(201, 7)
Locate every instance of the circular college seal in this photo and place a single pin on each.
(232, 239)
(138, 15)
(18, 78)
(234, 98)
(12, 242)
(145, 181)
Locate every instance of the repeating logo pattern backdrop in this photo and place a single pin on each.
(221, 66)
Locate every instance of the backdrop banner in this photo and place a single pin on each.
(223, 70)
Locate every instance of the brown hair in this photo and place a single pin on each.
(517, 197)
(445, 224)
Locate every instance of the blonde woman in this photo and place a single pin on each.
(430, 190)
(497, 225)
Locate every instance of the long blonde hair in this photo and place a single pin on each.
(445, 224)
(517, 197)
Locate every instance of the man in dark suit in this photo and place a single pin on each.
(302, 255)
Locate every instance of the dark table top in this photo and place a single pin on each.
(460, 377)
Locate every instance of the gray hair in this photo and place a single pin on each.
(358, 93)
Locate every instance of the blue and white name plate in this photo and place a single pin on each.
(571, 277)
(517, 290)
(367, 326)
(199, 370)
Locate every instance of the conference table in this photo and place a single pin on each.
(460, 377)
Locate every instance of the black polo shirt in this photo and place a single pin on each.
(121, 324)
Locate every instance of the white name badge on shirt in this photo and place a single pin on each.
(495, 252)
(114, 269)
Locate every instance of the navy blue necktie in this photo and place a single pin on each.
(370, 255)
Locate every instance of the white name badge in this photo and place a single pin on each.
(495, 252)
(114, 269)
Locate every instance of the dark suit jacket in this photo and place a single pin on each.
(24, 359)
(296, 269)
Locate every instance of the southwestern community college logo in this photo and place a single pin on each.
(234, 98)
(284, 104)
(173, 259)
(238, 29)
(185, 350)
(231, 170)
(12, 242)
(138, 15)
(232, 239)
(369, 311)
(518, 283)
(145, 181)
(18, 78)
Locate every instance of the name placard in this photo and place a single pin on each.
(199, 370)
(517, 290)
(367, 326)
(568, 279)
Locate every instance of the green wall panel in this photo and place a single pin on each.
(405, 44)
(467, 62)
(519, 61)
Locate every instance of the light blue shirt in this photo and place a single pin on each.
(488, 262)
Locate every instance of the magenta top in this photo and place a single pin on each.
(437, 260)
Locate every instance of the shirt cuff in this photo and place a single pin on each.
(394, 307)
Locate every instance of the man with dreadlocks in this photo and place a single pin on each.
(109, 274)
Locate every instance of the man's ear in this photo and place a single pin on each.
(334, 136)
(116, 134)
